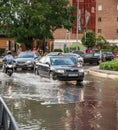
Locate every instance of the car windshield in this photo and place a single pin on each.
(61, 61)
(26, 55)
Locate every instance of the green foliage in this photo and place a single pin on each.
(2, 50)
(110, 65)
(80, 46)
(89, 39)
(114, 48)
(29, 20)
(58, 50)
(101, 43)
(66, 50)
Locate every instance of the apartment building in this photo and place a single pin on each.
(100, 16)
(107, 19)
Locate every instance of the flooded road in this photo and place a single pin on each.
(40, 104)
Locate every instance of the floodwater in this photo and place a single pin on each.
(40, 104)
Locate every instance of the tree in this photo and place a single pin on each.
(89, 39)
(26, 20)
(101, 42)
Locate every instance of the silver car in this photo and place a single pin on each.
(26, 60)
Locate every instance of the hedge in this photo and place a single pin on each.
(109, 65)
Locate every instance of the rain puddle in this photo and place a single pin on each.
(40, 104)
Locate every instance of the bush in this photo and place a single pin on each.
(58, 50)
(2, 50)
(109, 65)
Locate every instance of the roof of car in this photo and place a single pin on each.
(54, 53)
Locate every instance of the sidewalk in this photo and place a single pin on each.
(103, 73)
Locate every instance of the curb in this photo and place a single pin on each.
(103, 73)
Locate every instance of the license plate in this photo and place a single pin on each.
(19, 69)
(72, 75)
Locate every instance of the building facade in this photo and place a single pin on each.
(101, 16)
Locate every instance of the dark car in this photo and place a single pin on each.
(108, 56)
(26, 60)
(60, 68)
(98, 57)
(92, 58)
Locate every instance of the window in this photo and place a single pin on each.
(99, 19)
(99, 30)
(99, 7)
(92, 9)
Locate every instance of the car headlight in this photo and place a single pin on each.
(79, 65)
(81, 70)
(28, 62)
(60, 71)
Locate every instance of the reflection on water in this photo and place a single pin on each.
(40, 104)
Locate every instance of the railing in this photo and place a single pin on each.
(7, 121)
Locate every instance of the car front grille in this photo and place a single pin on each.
(19, 62)
(71, 70)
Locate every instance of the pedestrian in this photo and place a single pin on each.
(19, 50)
(34, 49)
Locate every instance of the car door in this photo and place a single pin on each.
(96, 57)
(88, 57)
(44, 66)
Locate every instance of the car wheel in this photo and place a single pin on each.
(99, 61)
(15, 69)
(52, 76)
(79, 81)
(36, 72)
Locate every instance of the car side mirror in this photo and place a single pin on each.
(36, 57)
(48, 63)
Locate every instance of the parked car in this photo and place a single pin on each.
(59, 68)
(79, 52)
(92, 58)
(98, 57)
(108, 56)
(54, 53)
(77, 58)
(26, 60)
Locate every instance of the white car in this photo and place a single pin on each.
(80, 58)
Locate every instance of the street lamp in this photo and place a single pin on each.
(87, 17)
(67, 37)
(77, 30)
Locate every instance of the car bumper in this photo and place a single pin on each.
(69, 76)
(25, 66)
